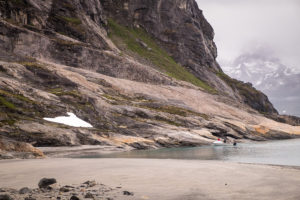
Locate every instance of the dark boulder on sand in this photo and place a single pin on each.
(46, 182)
(5, 197)
(128, 193)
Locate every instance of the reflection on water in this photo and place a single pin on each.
(284, 152)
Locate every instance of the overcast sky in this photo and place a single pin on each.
(241, 25)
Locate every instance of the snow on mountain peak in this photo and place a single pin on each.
(271, 76)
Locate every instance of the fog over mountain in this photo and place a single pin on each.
(260, 47)
(267, 73)
(242, 25)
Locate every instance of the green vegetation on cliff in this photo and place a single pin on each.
(136, 40)
(252, 97)
(13, 107)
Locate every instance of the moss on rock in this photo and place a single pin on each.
(138, 41)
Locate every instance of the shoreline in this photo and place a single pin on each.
(161, 178)
(67, 151)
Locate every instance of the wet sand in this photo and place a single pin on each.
(162, 179)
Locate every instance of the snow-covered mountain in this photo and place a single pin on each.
(268, 74)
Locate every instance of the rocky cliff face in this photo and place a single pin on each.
(143, 73)
(178, 25)
(181, 29)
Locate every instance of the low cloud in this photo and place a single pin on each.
(242, 25)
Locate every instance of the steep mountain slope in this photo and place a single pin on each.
(181, 29)
(109, 64)
(268, 74)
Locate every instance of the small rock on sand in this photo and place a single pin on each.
(74, 198)
(90, 183)
(64, 189)
(89, 196)
(5, 197)
(46, 182)
(24, 190)
(29, 198)
(128, 193)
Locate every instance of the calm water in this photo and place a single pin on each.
(284, 152)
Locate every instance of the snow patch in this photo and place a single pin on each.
(71, 120)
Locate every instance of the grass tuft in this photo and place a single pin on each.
(62, 92)
(6, 104)
(72, 20)
(31, 64)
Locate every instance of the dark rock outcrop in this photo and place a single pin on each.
(180, 27)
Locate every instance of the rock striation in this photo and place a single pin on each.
(143, 73)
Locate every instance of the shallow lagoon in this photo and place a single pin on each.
(283, 152)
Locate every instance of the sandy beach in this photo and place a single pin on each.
(162, 179)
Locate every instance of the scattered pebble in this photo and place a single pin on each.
(29, 198)
(90, 183)
(74, 198)
(89, 196)
(64, 189)
(49, 190)
(24, 190)
(128, 193)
